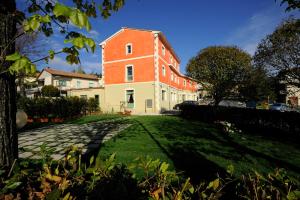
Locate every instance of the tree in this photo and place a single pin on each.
(257, 86)
(50, 91)
(280, 52)
(292, 4)
(223, 68)
(42, 14)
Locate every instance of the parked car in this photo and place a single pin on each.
(179, 106)
(232, 103)
(280, 107)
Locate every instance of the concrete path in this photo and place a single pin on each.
(58, 137)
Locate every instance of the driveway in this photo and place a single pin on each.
(58, 137)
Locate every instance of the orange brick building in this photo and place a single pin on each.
(141, 73)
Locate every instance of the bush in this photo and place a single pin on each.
(60, 107)
(72, 179)
(246, 118)
(50, 91)
(92, 105)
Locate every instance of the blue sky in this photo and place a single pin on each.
(189, 26)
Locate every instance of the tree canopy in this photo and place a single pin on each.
(279, 52)
(223, 68)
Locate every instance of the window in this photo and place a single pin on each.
(163, 95)
(190, 83)
(62, 83)
(171, 58)
(172, 76)
(163, 50)
(128, 49)
(78, 84)
(149, 103)
(129, 73)
(83, 96)
(130, 98)
(184, 83)
(163, 70)
(97, 99)
(91, 84)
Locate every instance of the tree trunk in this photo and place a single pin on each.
(8, 135)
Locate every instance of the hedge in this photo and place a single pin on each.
(246, 117)
(61, 107)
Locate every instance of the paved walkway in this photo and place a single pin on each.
(58, 137)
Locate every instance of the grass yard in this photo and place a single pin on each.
(199, 149)
(93, 118)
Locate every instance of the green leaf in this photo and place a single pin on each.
(80, 19)
(46, 19)
(230, 169)
(51, 54)
(14, 185)
(92, 160)
(91, 43)
(34, 24)
(13, 57)
(60, 9)
(164, 166)
(214, 184)
(294, 195)
(26, 26)
(78, 42)
(192, 190)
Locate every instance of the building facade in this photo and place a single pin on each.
(67, 80)
(141, 73)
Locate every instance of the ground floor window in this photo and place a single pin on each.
(83, 96)
(163, 95)
(130, 98)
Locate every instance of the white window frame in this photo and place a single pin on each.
(126, 48)
(184, 83)
(163, 70)
(91, 84)
(172, 76)
(163, 50)
(126, 75)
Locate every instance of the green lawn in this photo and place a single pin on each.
(94, 118)
(199, 149)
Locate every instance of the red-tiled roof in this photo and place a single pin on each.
(70, 74)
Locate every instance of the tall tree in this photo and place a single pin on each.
(291, 4)
(257, 86)
(223, 68)
(280, 52)
(43, 13)
(8, 136)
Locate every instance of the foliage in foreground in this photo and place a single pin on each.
(145, 178)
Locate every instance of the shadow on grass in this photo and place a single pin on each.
(188, 160)
(189, 143)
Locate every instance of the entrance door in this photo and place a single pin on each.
(130, 98)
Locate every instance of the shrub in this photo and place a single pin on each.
(246, 117)
(72, 179)
(50, 91)
(92, 105)
(60, 107)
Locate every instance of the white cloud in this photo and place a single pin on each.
(94, 33)
(258, 26)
